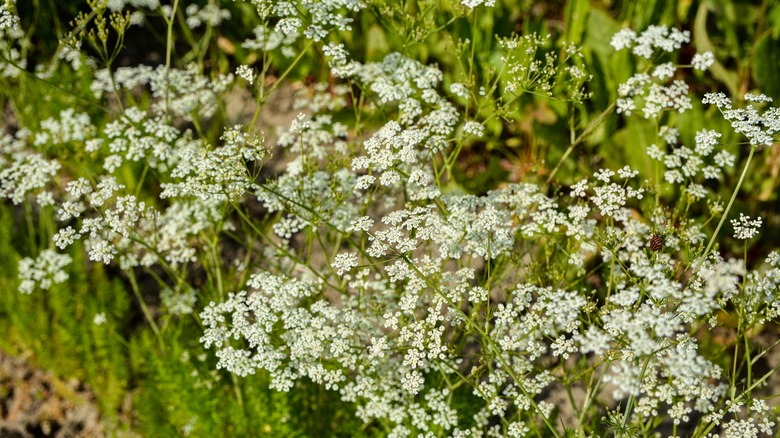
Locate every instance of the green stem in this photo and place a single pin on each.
(726, 211)
(144, 308)
(580, 139)
(278, 81)
(168, 50)
(55, 86)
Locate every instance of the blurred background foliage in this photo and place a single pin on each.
(169, 387)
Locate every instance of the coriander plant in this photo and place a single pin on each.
(586, 295)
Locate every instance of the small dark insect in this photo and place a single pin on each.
(656, 242)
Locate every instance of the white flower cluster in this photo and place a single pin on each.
(220, 173)
(745, 228)
(377, 276)
(43, 272)
(344, 263)
(653, 96)
(136, 137)
(322, 341)
(116, 5)
(246, 73)
(654, 37)
(609, 197)
(762, 292)
(703, 61)
(746, 424)
(482, 226)
(759, 128)
(315, 20)
(414, 87)
(522, 325)
(210, 14)
(177, 231)
(471, 4)
(8, 20)
(389, 150)
(114, 224)
(70, 127)
(689, 166)
(12, 40)
(108, 231)
(182, 93)
(27, 171)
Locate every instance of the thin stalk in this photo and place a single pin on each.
(726, 211)
(580, 139)
(747, 359)
(168, 50)
(55, 86)
(144, 308)
(276, 84)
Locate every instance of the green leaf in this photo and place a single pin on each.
(702, 42)
(577, 18)
(773, 17)
(765, 67)
(629, 146)
(598, 34)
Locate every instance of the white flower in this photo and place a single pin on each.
(724, 159)
(65, 237)
(669, 134)
(758, 98)
(336, 52)
(44, 271)
(344, 262)
(475, 3)
(478, 294)
(579, 189)
(627, 173)
(718, 99)
(664, 71)
(363, 223)
(413, 382)
(99, 318)
(623, 39)
(703, 61)
(625, 106)
(459, 90)
(746, 228)
(706, 141)
(245, 73)
(604, 175)
(474, 128)
(7, 19)
(27, 172)
(102, 251)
